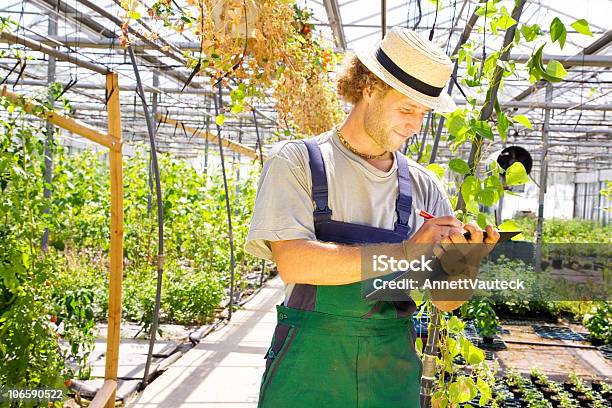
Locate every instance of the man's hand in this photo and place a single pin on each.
(434, 230)
(460, 258)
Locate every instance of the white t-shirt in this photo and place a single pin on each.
(359, 193)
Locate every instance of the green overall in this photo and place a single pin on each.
(332, 348)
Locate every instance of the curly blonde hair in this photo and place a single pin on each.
(354, 77)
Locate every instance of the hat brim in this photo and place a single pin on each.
(442, 104)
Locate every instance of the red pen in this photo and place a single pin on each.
(424, 214)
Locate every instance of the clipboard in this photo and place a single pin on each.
(375, 294)
(503, 235)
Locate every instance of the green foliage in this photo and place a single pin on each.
(607, 193)
(565, 231)
(437, 169)
(516, 174)
(599, 321)
(459, 166)
(558, 32)
(554, 71)
(483, 314)
(523, 120)
(29, 350)
(75, 316)
(195, 235)
(61, 293)
(191, 296)
(582, 26)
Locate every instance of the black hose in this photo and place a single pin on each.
(160, 217)
(227, 203)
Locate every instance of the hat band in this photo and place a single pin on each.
(404, 77)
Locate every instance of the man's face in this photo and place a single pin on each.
(392, 118)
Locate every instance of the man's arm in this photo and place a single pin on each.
(325, 263)
(316, 262)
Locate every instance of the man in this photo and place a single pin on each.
(326, 205)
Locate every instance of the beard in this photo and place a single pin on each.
(376, 127)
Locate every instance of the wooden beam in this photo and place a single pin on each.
(234, 146)
(116, 238)
(63, 121)
(104, 394)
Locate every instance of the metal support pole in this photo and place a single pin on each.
(383, 15)
(154, 104)
(49, 146)
(422, 146)
(543, 180)
(36, 46)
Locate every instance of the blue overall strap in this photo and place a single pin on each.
(403, 205)
(319, 181)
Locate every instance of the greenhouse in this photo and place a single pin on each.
(305, 203)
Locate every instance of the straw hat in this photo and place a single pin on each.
(413, 66)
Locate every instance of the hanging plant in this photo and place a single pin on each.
(259, 50)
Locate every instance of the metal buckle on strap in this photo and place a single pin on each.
(403, 212)
(322, 215)
(319, 190)
(319, 195)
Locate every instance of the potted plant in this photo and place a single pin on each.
(484, 317)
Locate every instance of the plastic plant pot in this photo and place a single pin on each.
(596, 385)
(583, 400)
(555, 401)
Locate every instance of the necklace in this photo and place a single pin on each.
(353, 150)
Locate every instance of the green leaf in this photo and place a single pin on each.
(505, 21)
(459, 166)
(582, 26)
(558, 31)
(458, 392)
(508, 225)
(494, 182)
(488, 196)
(452, 347)
(516, 174)
(502, 125)
(489, 9)
(481, 220)
(456, 123)
(485, 391)
(469, 190)
(220, 119)
(135, 15)
(455, 325)
(483, 128)
(237, 108)
(462, 390)
(418, 345)
(555, 69)
(186, 19)
(530, 32)
(523, 120)
(436, 169)
(472, 354)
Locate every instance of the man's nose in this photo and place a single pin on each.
(412, 127)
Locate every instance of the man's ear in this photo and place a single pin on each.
(367, 93)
